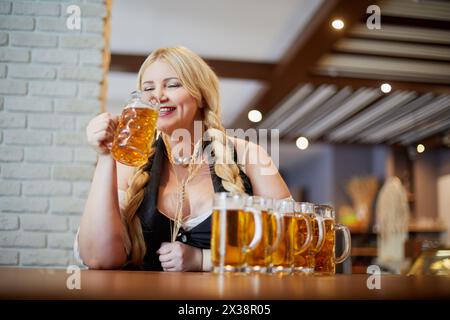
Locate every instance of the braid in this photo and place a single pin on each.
(134, 243)
(225, 166)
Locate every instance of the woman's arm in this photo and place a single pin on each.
(261, 170)
(101, 235)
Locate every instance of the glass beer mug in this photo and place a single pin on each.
(305, 261)
(325, 257)
(136, 130)
(259, 259)
(229, 232)
(292, 241)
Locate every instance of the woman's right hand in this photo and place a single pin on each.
(100, 132)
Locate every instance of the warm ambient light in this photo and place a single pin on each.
(420, 148)
(254, 116)
(386, 87)
(302, 143)
(338, 24)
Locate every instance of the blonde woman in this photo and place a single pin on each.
(130, 214)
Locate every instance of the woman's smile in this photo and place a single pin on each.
(166, 111)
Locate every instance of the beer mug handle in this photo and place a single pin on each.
(308, 233)
(109, 145)
(321, 229)
(258, 229)
(347, 243)
(279, 223)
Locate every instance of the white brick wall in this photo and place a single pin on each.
(51, 80)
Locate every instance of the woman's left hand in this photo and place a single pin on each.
(177, 256)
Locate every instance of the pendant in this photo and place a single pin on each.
(184, 161)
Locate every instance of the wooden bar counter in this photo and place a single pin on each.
(97, 284)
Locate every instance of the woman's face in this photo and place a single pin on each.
(178, 109)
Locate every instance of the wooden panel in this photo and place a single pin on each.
(223, 68)
(396, 33)
(96, 284)
(390, 49)
(432, 10)
(365, 252)
(317, 39)
(356, 82)
(383, 68)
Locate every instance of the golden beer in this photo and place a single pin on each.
(259, 258)
(325, 261)
(282, 257)
(135, 135)
(301, 257)
(232, 243)
(305, 261)
(231, 230)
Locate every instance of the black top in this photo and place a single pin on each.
(156, 227)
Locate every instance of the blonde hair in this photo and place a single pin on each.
(203, 85)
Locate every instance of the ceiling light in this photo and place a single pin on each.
(338, 24)
(254, 116)
(386, 87)
(302, 143)
(420, 148)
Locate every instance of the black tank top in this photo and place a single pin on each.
(156, 227)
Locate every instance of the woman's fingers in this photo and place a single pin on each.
(104, 118)
(102, 136)
(168, 265)
(165, 248)
(115, 121)
(167, 261)
(104, 125)
(167, 256)
(171, 269)
(101, 130)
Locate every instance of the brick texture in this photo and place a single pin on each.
(51, 86)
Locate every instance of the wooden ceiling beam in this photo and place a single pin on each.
(242, 69)
(433, 142)
(422, 23)
(316, 39)
(357, 83)
(249, 70)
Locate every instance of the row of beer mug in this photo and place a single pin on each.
(256, 234)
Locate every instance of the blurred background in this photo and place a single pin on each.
(358, 90)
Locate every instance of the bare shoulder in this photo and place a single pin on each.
(124, 174)
(249, 153)
(251, 156)
(263, 173)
